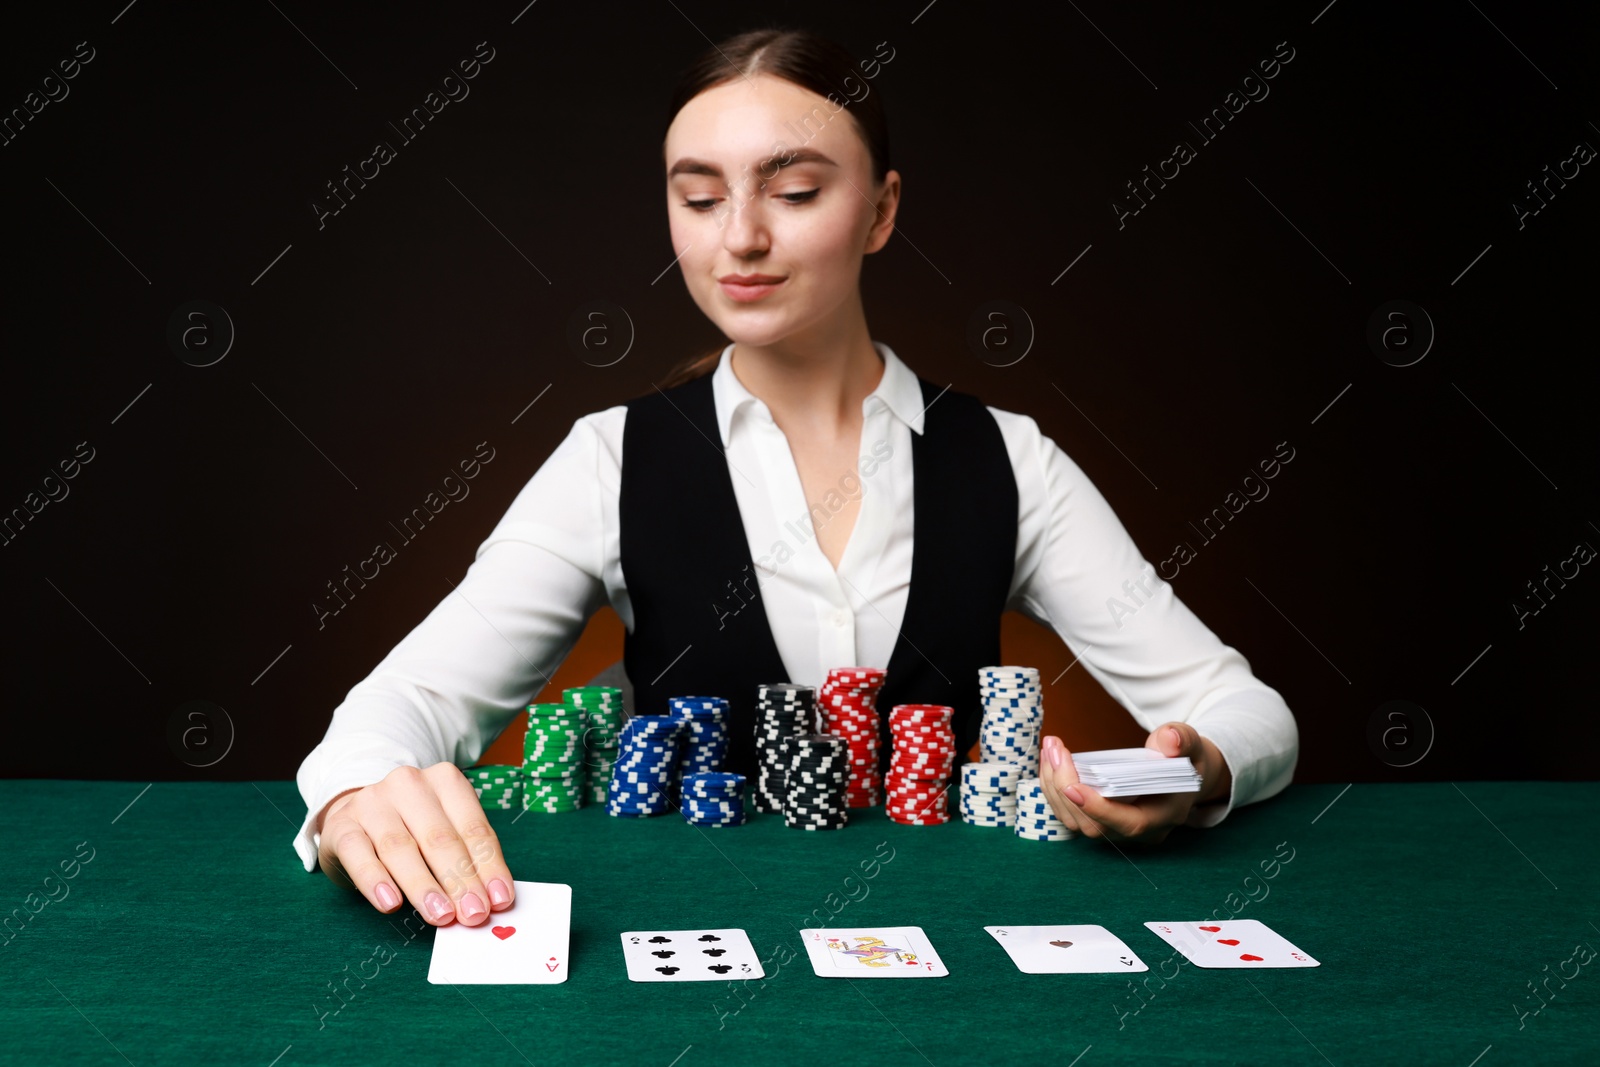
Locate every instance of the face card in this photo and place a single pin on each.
(689, 956)
(873, 952)
(524, 945)
(1243, 943)
(1066, 949)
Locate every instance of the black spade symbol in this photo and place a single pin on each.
(669, 971)
(663, 953)
(659, 940)
(710, 937)
(720, 968)
(714, 952)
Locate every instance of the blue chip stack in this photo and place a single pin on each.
(705, 733)
(1036, 820)
(711, 798)
(647, 760)
(1012, 716)
(989, 794)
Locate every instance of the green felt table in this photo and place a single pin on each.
(193, 935)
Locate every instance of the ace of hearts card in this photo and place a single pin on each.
(524, 945)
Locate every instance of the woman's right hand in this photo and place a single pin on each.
(424, 832)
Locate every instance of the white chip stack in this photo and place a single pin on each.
(1036, 821)
(1013, 713)
(989, 793)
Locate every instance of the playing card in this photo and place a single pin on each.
(689, 956)
(873, 952)
(1232, 943)
(1066, 949)
(524, 945)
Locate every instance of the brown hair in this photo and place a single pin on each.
(810, 61)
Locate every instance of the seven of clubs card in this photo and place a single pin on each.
(689, 956)
(524, 945)
(1232, 943)
(873, 952)
(1065, 949)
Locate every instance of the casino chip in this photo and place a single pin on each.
(704, 738)
(922, 755)
(816, 782)
(989, 793)
(713, 799)
(498, 785)
(1036, 820)
(847, 703)
(647, 762)
(1012, 716)
(782, 711)
(602, 720)
(552, 767)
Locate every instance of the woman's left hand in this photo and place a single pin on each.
(1143, 819)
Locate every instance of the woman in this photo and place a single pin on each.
(753, 522)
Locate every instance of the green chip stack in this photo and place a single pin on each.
(602, 717)
(552, 770)
(498, 785)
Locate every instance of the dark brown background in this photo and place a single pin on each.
(375, 353)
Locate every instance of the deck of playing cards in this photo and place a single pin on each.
(524, 945)
(1133, 772)
(873, 952)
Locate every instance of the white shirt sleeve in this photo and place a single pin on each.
(456, 680)
(1150, 652)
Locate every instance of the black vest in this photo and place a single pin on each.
(700, 625)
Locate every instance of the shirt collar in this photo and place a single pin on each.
(898, 391)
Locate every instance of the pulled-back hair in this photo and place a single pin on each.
(810, 61)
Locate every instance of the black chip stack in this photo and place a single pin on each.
(816, 777)
(783, 711)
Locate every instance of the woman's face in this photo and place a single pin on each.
(772, 204)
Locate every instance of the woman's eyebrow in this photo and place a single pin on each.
(779, 160)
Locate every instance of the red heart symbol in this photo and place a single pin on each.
(503, 932)
(1253, 959)
(1226, 941)
(1213, 929)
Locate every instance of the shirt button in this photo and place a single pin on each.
(841, 618)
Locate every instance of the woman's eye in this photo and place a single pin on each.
(699, 205)
(800, 198)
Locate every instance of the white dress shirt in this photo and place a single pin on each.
(456, 680)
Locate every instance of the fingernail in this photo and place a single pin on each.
(438, 907)
(498, 893)
(1074, 795)
(1177, 738)
(471, 909)
(387, 897)
(1053, 754)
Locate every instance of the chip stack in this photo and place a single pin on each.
(552, 769)
(711, 798)
(782, 711)
(498, 785)
(704, 739)
(1036, 820)
(647, 761)
(816, 779)
(847, 704)
(1012, 716)
(922, 755)
(602, 719)
(989, 793)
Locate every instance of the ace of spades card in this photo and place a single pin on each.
(1066, 949)
(689, 956)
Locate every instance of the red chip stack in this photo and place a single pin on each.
(921, 759)
(847, 704)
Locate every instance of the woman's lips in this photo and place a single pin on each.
(745, 292)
